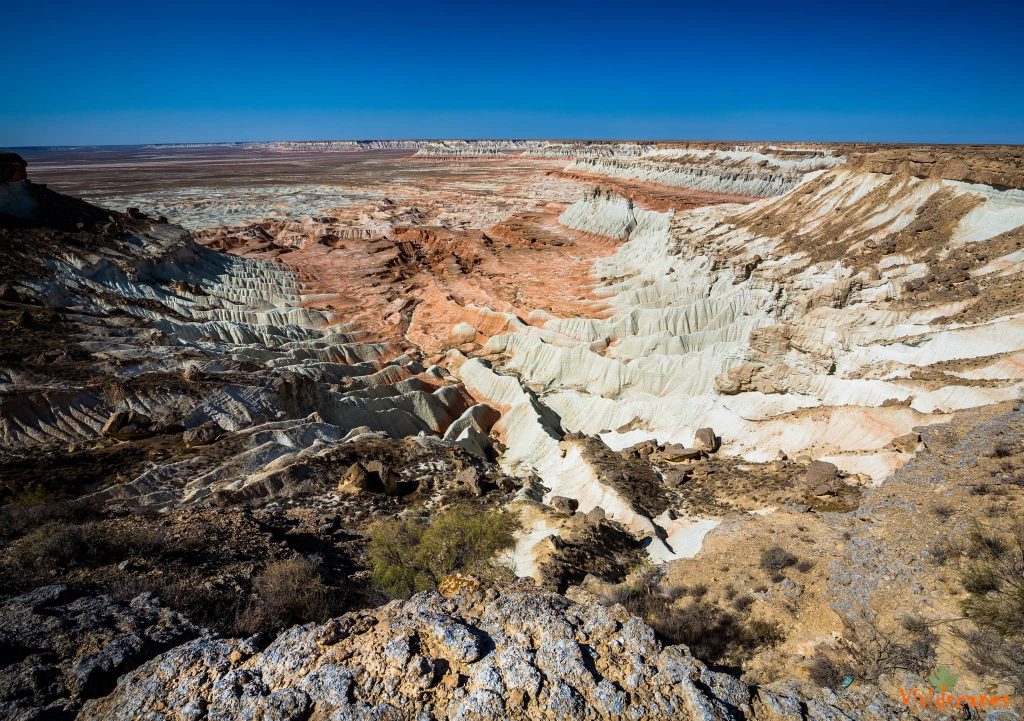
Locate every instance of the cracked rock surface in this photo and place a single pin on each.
(481, 654)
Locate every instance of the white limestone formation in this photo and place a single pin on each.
(808, 356)
(739, 171)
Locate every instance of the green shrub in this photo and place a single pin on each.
(407, 555)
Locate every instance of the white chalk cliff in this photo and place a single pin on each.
(825, 321)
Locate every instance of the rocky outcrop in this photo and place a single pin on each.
(742, 170)
(477, 148)
(12, 168)
(61, 648)
(478, 655)
(995, 166)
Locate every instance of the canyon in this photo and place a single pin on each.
(773, 382)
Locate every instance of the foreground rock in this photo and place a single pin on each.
(482, 655)
(59, 648)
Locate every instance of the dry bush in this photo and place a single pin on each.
(699, 590)
(676, 591)
(293, 591)
(743, 602)
(56, 545)
(776, 558)
(827, 671)
(19, 517)
(945, 550)
(994, 581)
(758, 632)
(805, 566)
(990, 654)
(712, 633)
(869, 652)
(874, 652)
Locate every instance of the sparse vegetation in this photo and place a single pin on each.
(59, 545)
(946, 550)
(743, 602)
(56, 545)
(868, 652)
(412, 554)
(826, 671)
(712, 633)
(994, 581)
(75, 544)
(776, 558)
(293, 591)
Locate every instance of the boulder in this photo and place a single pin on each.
(12, 168)
(706, 440)
(908, 443)
(676, 477)
(202, 435)
(463, 333)
(193, 374)
(298, 394)
(64, 647)
(9, 293)
(737, 380)
(677, 453)
(127, 425)
(486, 655)
(469, 479)
(645, 448)
(596, 514)
(564, 504)
(356, 480)
(820, 473)
(381, 477)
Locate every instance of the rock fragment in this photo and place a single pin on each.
(127, 425)
(564, 505)
(202, 435)
(706, 440)
(820, 472)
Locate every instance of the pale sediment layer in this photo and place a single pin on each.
(739, 319)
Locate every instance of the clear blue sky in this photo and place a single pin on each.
(79, 72)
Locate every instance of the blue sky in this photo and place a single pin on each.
(109, 72)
